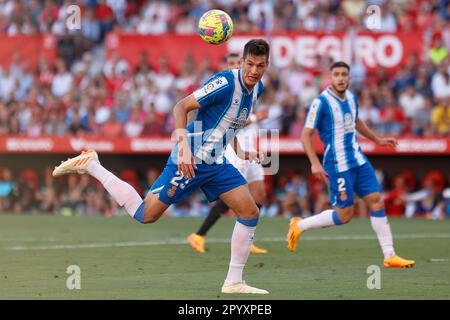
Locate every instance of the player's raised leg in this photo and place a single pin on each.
(242, 203)
(87, 162)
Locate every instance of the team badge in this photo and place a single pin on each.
(348, 122)
(239, 122)
(343, 197)
(171, 191)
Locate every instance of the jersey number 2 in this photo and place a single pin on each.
(341, 184)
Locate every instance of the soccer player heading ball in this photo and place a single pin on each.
(252, 172)
(224, 104)
(335, 115)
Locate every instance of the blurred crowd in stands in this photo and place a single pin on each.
(79, 96)
(76, 95)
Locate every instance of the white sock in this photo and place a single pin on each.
(382, 228)
(320, 220)
(122, 192)
(241, 242)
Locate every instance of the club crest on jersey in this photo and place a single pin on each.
(171, 191)
(343, 197)
(348, 122)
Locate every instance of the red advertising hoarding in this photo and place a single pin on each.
(30, 48)
(163, 145)
(386, 50)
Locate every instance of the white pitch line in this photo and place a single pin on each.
(29, 239)
(218, 240)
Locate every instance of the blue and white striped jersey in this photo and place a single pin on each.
(225, 107)
(334, 118)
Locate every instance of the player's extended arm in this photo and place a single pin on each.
(256, 156)
(316, 166)
(369, 134)
(186, 163)
(258, 116)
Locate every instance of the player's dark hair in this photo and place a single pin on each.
(339, 64)
(257, 47)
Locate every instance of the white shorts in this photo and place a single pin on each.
(250, 171)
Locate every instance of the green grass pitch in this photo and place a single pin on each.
(121, 259)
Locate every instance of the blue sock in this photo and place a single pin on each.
(336, 219)
(252, 222)
(139, 215)
(378, 214)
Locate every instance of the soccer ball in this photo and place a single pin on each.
(215, 26)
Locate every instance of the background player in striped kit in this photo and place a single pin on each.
(335, 115)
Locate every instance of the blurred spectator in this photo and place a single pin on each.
(7, 85)
(411, 102)
(152, 127)
(261, 13)
(394, 199)
(392, 119)
(155, 18)
(296, 201)
(445, 205)
(47, 193)
(62, 81)
(111, 128)
(90, 26)
(6, 188)
(440, 82)
(105, 16)
(425, 202)
(388, 20)
(273, 120)
(422, 119)
(368, 112)
(309, 93)
(76, 127)
(438, 52)
(134, 126)
(440, 117)
(119, 8)
(296, 127)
